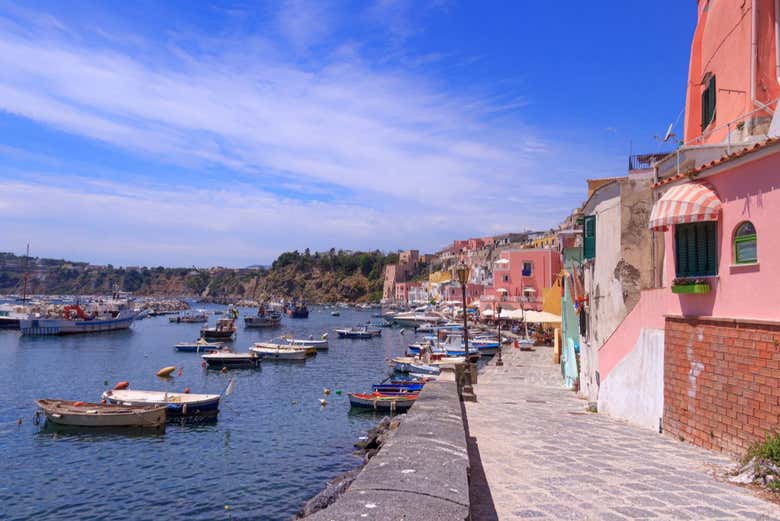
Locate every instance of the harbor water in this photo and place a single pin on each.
(273, 446)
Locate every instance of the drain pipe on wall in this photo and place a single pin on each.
(753, 51)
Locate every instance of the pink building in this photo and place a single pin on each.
(698, 355)
(520, 276)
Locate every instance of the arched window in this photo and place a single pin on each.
(745, 245)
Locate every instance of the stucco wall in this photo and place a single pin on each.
(605, 295)
(634, 390)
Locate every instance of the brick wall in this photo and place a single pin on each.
(721, 382)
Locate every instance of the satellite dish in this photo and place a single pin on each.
(668, 134)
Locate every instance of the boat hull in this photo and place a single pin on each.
(231, 362)
(177, 405)
(254, 321)
(381, 403)
(58, 326)
(268, 353)
(99, 415)
(197, 348)
(9, 323)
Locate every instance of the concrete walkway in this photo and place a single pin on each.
(544, 457)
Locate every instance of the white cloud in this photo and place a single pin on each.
(403, 160)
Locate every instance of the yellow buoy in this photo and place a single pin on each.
(166, 371)
(326, 391)
(323, 402)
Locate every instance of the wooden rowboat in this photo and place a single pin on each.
(178, 404)
(382, 402)
(83, 414)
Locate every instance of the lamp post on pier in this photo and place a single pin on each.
(469, 374)
(500, 360)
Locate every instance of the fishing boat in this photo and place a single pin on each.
(381, 402)
(190, 318)
(177, 404)
(230, 360)
(223, 330)
(264, 318)
(199, 346)
(298, 311)
(416, 366)
(75, 320)
(84, 414)
(390, 388)
(274, 351)
(335, 313)
(358, 332)
(10, 316)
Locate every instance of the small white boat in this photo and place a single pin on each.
(84, 414)
(178, 404)
(320, 344)
(358, 332)
(273, 351)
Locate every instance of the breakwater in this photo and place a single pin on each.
(424, 464)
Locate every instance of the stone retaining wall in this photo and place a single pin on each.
(421, 473)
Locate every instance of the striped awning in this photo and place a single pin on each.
(685, 203)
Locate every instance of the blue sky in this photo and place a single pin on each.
(223, 133)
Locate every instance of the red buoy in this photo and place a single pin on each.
(186, 390)
(79, 404)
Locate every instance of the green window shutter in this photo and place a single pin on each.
(704, 108)
(589, 237)
(696, 249)
(712, 99)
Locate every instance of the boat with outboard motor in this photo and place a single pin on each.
(177, 404)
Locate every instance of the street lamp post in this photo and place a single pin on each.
(500, 360)
(463, 278)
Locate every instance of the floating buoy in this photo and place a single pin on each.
(186, 390)
(105, 382)
(180, 371)
(402, 331)
(124, 384)
(227, 507)
(203, 364)
(326, 391)
(338, 391)
(19, 422)
(166, 371)
(294, 402)
(323, 402)
(224, 370)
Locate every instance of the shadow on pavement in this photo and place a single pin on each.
(480, 499)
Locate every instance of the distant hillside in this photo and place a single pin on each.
(321, 277)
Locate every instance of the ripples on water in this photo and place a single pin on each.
(264, 457)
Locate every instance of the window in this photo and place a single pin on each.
(745, 246)
(696, 249)
(589, 235)
(505, 278)
(708, 101)
(527, 269)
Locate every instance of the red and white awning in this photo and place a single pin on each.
(686, 203)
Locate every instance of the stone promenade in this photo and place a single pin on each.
(545, 457)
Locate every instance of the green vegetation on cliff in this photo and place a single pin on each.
(319, 277)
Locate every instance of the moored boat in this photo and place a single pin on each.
(177, 404)
(199, 346)
(189, 318)
(223, 330)
(276, 351)
(298, 311)
(381, 402)
(358, 332)
(76, 320)
(230, 360)
(264, 318)
(84, 414)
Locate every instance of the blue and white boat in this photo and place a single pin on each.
(75, 320)
(200, 346)
(177, 404)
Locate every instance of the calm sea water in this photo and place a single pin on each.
(271, 449)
